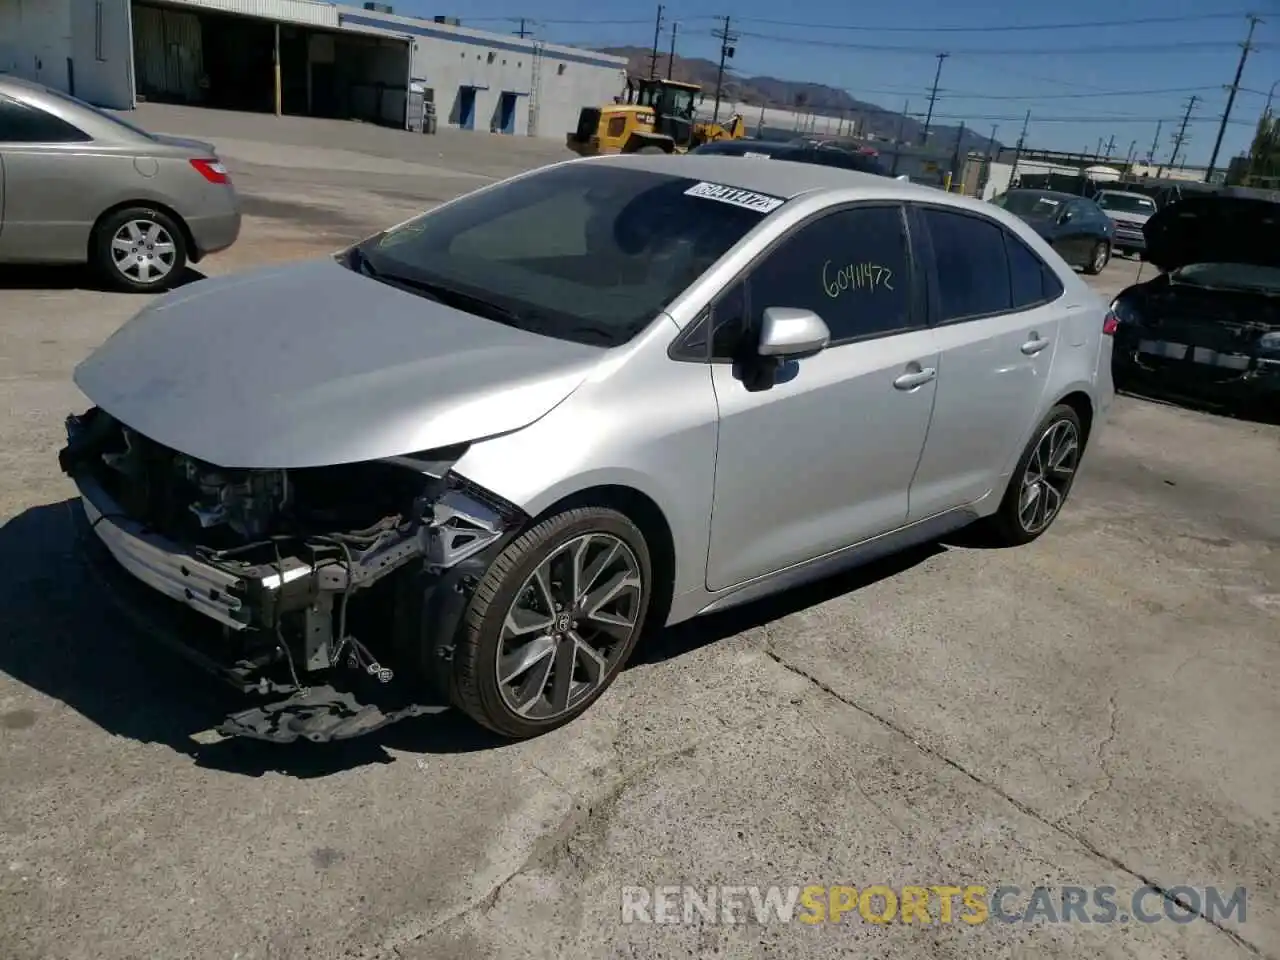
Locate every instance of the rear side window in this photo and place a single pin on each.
(1031, 280)
(20, 123)
(973, 271)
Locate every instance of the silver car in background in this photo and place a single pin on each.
(79, 185)
(607, 394)
(1129, 211)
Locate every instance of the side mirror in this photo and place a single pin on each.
(1065, 217)
(791, 334)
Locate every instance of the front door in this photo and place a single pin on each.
(507, 113)
(998, 327)
(822, 458)
(467, 107)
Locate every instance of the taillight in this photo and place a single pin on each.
(212, 170)
(1110, 324)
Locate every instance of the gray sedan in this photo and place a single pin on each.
(480, 452)
(80, 185)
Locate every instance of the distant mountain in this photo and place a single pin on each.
(800, 97)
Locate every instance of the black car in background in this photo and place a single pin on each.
(1207, 328)
(1074, 226)
(800, 151)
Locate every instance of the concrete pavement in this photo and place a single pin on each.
(1095, 709)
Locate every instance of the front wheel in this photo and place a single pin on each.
(1098, 258)
(1041, 481)
(552, 622)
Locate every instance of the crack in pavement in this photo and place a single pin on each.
(549, 849)
(1100, 760)
(1019, 805)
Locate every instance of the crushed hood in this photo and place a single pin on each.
(1214, 229)
(311, 364)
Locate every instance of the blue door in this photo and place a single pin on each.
(467, 108)
(507, 117)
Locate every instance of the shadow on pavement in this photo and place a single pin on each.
(71, 277)
(60, 636)
(1265, 411)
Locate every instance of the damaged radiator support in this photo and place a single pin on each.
(303, 591)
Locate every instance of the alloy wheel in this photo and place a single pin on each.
(1048, 476)
(1100, 257)
(568, 624)
(143, 251)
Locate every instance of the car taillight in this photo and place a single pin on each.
(212, 170)
(1110, 324)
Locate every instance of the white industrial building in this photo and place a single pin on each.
(303, 57)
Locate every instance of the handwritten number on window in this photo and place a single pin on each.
(855, 276)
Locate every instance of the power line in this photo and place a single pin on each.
(1128, 49)
(966, 95)
(1231, 97)
(1003, 117)
(998, 28)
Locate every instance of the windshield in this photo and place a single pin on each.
(1126, 203)
(585, 252)
(109, 117)
(1237, 276)
(1028, 203)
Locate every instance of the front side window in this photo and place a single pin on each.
(973, 272)
(852, 268)
(584, 252)
(22, 123)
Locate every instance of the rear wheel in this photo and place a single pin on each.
(1098, 258)
(553, 622)
(139, 249)
(1042, 480)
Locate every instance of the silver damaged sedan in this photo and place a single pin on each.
(473, 459)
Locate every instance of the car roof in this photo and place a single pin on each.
(1127, 193)
(11, 82)
(1051, 194)
(778, 178)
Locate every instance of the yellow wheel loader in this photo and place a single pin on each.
(652, 116)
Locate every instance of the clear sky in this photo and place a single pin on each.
(1081, 81)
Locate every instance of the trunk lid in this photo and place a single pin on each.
(1214, 229)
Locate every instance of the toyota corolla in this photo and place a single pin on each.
(472, 458)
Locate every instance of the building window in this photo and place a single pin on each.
(492, 56)
(560, 69)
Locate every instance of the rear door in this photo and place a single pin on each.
(49, 190)
(997, 330)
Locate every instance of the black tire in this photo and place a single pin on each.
(1099, 257)
(112, 268)
(1005, 527)
(475, 683)
(650, 149)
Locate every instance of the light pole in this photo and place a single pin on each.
(1270, 93)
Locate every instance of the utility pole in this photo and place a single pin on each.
(1111, 146)
(1180, 137)
(1128, 158)
(933, 96)
(671, 57)
(956, 172)
(1017, 151)
(991, 140)
(1155, 144)
(522, 32)
(1231, 97)
(897, 147)
(657, 35)
(727, 40)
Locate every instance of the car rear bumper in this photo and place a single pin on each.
(1248, 383)
(214, 232)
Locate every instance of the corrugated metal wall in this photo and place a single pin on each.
(167, 52)
(306, 12)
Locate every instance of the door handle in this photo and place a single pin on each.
(918, 378)
(1032, 347)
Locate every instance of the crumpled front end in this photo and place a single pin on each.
(288, 583)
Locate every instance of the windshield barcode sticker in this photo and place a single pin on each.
(760, 202)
